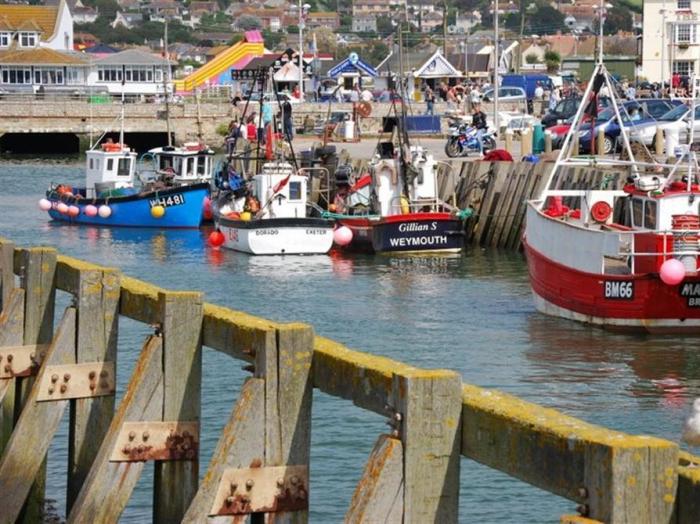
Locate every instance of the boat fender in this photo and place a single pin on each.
(601, 211)
(405, 207)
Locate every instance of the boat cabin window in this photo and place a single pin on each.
(644, 213)
(202, 165)
(124, 167)
(165, 162)
(91, 163)
(189, 166)
(110, 164)
(295, 191)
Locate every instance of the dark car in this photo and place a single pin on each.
(634, 113)
(566, 108)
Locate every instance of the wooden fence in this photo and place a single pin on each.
(260, 464)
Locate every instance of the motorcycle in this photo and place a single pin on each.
(462, 140)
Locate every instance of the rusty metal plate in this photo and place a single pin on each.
(262, 490)
(21, 361)
(67, 381)
(141, 441)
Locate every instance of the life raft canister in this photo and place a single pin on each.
(601, 211)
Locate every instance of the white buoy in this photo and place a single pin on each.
(691, 431)
(104, 211)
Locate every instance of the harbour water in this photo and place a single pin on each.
(472, 313)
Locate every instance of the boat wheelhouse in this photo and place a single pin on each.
(190, 163)
(273, 217)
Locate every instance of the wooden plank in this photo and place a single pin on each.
(240, 445)
(378, 496)
(515, 201)
(489, 215)
(235, 333)
(513, 175)
(621, 478)
(175, 483)
(26, 450)
(97, 295)
(286, 368)
(108, 485)
(11, 333)
(7, 274)
(430, 403)
(37, 277)
(687, 510)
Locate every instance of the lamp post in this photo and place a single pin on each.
(303, 10)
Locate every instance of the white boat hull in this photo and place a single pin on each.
(283, 236)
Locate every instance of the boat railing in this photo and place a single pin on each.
(319, 173)
(672, 243)
(433, 205)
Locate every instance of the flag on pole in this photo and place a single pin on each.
(280, 185)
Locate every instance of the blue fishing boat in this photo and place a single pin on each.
(172, 193)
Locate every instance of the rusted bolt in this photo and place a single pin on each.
(104, 384)
(92, 386)
(294, 480)
(582, 509)
(140, 449)
(126, 450)
(249, 484)
(9, 357)
(66, 377)
(280, 482)
(186, 434)
(54, 378)
(185, 446)
(245, 499)
(583, 493)
(229, 501)
(8, 368)
(92, 375)
(395, 433)
(145, 436)
(32, 356)
(103, 373)
(63, 388)
(132, 435)
(50, 390)
(234, 487)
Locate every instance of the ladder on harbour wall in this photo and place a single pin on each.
(260, 464)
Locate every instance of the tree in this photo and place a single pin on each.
(552, 59)
(384, 26)
(326, 41)
(546, 20)
(531, 58)
(618, 19)
(249, 22)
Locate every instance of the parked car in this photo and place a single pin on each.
(677, 118)
(566, 108)
(505, 94)
(648, 108)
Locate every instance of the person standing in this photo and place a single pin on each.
(287, 120)
(429, 101)
(479, 123)
(554, 99)
(539, 98)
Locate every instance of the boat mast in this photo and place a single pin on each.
(121, 117)
(165, 84)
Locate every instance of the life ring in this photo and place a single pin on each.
(364, 109)
(601, 211)
(64, 189)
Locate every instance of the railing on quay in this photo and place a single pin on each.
(260, 464)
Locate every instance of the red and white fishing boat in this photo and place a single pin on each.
(624, 258)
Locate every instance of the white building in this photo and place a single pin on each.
(670, 39)
(140, 72)
(364, 24)
(25, 27)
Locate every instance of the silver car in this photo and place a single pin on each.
(506, 94)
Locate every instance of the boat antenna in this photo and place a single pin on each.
(281, 109)
(166, 83)
(200, 135)
(121, 116)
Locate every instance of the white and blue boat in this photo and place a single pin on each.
(170, 194)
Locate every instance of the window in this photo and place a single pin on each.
(110, 164)
(637, 212)
(109, 74)
(73, 75)
(684, 67)
(159, 75)
(138, 74)
(202, 164)
(295, 191)
(91, 165)
(686, 33)
(27, 39)
(4, 39)
(16, 75)
(124, 167)
(48, 75)
(650, 214)
(683, 4)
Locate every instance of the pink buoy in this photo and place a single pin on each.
(73, 211)
(206, 209)
(90, 210)
(104, 211)
(672, 272)
(342, 236)
(44, 204)
(62, 208)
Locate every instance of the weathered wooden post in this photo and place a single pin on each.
(250, 475)
(526, 142)
(576, 145)
(547, 141)
(181, 326)
(97, 298)
(509, 140)
(37, 276)
(7, 274)
(415, 479)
